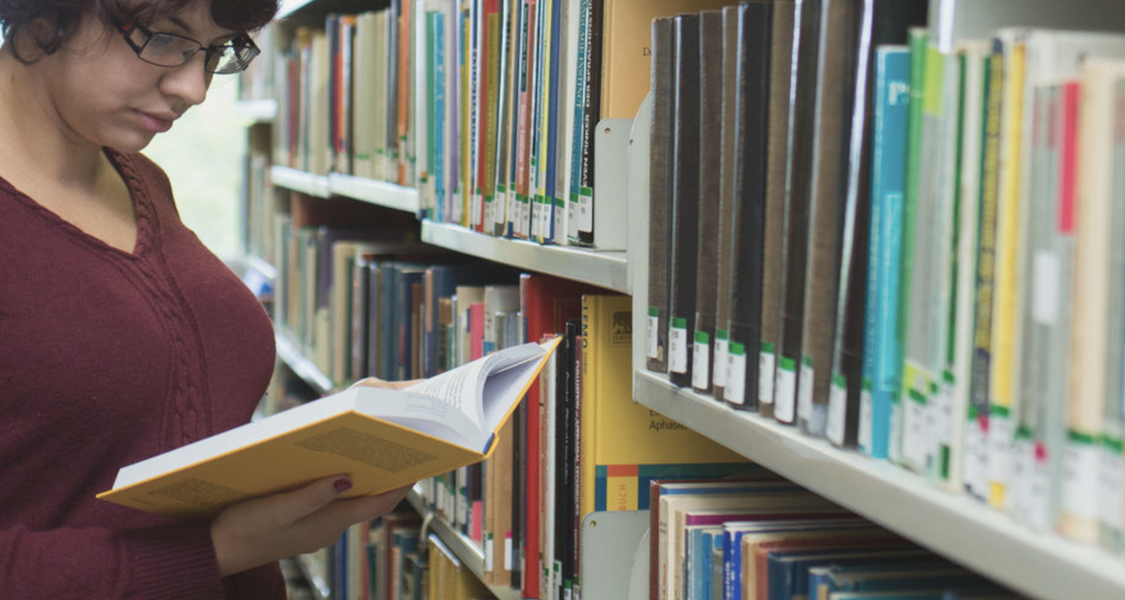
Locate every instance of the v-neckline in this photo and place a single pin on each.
(125, 170)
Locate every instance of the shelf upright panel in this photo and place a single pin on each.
(608, 269)
(262, 110)
(470, 555)
(372, 191)
(301, 366)
(300, 181)
(1041, 565)
(316, 583)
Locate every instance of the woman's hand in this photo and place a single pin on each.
(263, 530)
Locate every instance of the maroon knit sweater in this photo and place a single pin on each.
(107, 358)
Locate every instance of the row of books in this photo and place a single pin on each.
(764, 538)
(487, 107)
(392, 558)
(902, 241)
(576, 434)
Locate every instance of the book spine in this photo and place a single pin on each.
(781, 70)
(660, 197)
(685, 199)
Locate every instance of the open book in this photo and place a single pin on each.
(382, 438)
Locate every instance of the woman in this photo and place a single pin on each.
(121, 336)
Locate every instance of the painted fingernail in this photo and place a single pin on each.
(342, 485)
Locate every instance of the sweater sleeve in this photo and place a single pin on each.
(174, 562)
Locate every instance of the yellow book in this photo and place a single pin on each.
(1005, 306)
(382, 439)
(627, 49)
(621, 441)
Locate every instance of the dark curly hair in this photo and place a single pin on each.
(65, 15)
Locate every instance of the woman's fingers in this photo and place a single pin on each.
(306, 519)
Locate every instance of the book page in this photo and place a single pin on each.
(464, 388)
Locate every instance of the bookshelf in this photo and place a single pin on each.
(464, 548)
(1041, 565)
(291, 354)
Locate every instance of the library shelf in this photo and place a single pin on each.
(461, 546)
(290, 353)
(372, 191)
(1041, 565)
(608, 269)
(300, 181)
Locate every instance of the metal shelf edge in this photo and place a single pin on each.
(291, 355)
(376, 192)
(608, 269)
(1041, 565)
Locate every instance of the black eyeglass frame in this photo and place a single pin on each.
(241, 43)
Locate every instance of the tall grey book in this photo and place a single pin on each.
(834, 103)
(773, 234)
(660, 194)
(710, 187)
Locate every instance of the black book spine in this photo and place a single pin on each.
(801, 114)
(751, 141)
(685, 199)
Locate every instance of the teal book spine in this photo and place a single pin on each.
(883, 348)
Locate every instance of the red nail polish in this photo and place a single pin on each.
(342, 485)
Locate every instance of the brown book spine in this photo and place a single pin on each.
(781, 67)
(834, 104)
(710, 155)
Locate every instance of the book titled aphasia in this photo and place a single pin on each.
(382, 439)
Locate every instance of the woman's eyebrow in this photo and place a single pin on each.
(186, 28)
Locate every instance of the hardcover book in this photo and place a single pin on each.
(383, 439)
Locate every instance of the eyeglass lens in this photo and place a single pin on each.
(172, 51)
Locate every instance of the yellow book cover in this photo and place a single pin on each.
(627, 49)
(622, 441)
(382, 438)
(1005, 307)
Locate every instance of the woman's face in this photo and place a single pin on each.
(100, 92)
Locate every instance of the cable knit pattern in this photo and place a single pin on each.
(109, 357)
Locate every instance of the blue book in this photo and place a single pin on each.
(888, 595)
(584, 27)
(699, 546)
(882, 361)
(936, 576)
(788, 569)
(718, 551)
(735, 532)
(553, 198)
(437, 142)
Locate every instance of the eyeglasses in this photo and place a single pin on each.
(171, 50)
